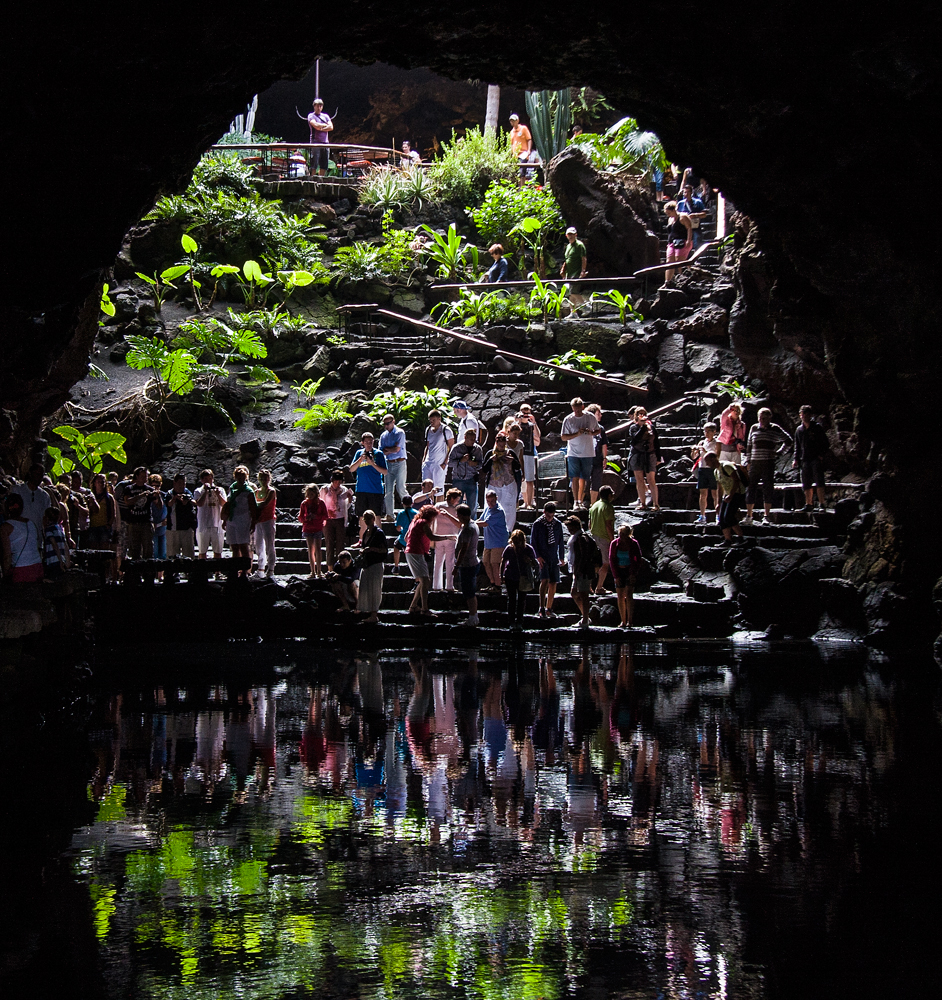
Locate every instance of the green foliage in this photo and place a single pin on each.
(625, 149)
(507, 204)
(452, 255)
(482, 308)
(391, 187)
(243, 139)
(106, 305)
(625, 308)
(577, 361)
(329, 413)
(409, 406)
(418, 187)
(548, 298)
(218, 169)
(88, 450)
(307, 389)
(549, 120)
(734, 387)
(388, 261)
(469, 165)
(586, 105)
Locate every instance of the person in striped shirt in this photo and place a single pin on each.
(765, 441)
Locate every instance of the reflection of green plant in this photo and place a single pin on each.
(625, 148)
(625, 308)
(547, 298)
(470, 164)
(575, 360)
(411, 406)
(88, 450)
(506, 204)
(330, 412)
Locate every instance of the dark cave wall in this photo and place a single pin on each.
(816, 128)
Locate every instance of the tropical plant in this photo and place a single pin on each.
(106, 305)
(532, 234)
(470, 164)
(481, 308)
(387, 261)
(624, 148)
(586, 105)
(622, 301)
(548, 298)
(306, 390)
(451, 254)
(382, 188)
(329, 413)
(549, 120)
(734, 387)
(507, 204)
(418, 187)
(409, 406)
(219, 169)
(88, 450)
(163, 282)
(575, 360)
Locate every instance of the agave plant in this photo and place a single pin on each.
(382, 188)
(417, 187)
(549, 120)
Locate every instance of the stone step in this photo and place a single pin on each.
(792, 530)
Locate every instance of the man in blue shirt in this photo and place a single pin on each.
(392, 443)
(548, 543)
(496, 536)
(369, 464)
(692, 206)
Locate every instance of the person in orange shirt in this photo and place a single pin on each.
(521, 142)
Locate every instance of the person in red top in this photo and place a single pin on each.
(313, 517)
(266, 498)
(419, 540)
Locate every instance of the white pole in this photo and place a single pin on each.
(720, 215)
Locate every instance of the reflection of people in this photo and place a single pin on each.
(320, 127)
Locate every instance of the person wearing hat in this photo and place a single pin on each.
(521, 142)
(467, 421)
(576, 262)
(320, 126)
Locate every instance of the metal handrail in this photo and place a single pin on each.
(624, 279)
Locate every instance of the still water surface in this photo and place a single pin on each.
(634, 822)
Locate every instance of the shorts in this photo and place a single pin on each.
(583, 584)
(812, 473)
(603, 544)
(596, 481)
(311, 536)
(319, 158)
(731, 456)
(27, 574)
(579, 468)
(209, 536)
(677, 253)
(729, 511)
(622, 581)
(529, 468)
(644, 462)
(706, 478)
(468, 577)
(98, 538)
(418, 565)
(376, 502)
(550, 571)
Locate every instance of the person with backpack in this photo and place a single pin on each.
(624, 557)
(519, 571)
(584, 562)
(731, 483)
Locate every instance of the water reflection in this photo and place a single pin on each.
(529, 828)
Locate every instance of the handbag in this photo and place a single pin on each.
(526, 583)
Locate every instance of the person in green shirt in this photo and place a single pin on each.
(576, 261)
(602, 529)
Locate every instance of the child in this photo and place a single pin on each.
(313, 517)
(403, 520)
(706, 478)
(56, 551)
(343, 580)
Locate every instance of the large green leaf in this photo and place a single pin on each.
(69, 433)
(252, 271)
(220, 269)
(249, 343)
(144, 277)
(170, 274)
(177, 371)
(146, 353)
(108, 443)
(258, 373)
(188, 243)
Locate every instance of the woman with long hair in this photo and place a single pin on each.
(520, 572)
(624, 557)
(419, 540)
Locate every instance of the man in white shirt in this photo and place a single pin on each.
(578, 431)
(392, 443)
(439, 440)
(467, 421)
(209, 500)
(36, 499)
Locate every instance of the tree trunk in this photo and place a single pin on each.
(493, 108)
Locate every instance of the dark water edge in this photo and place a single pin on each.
(784, 842)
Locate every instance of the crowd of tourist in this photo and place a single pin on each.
(438, 530)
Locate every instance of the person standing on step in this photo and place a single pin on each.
(502, 473)
(766, 440)
(706, 478)
(419, 540)
(643, 457)
(444, 566)
(369, 464)
(313, 517)
(266, 498)
(494, 523)
(730, 493)
(465, 461)
(392, 443)
(578, 431)
(530, 436)
(519, 568)
(602, 529)
(600, 461)
(549, 543)
(238, 516)
(679, 237)
(584, 561)
(467, 421)
(336, 499)
(732, 434)
(181, 520)
(439, 440)
(576, 260)
(20, 543)
(209, 500)
(467, 562)
(624, 557)
(404, 518)
(374, 549)
(811, 448)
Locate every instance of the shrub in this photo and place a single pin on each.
(482, 308)
(506, 205)
(410, 406)
(387, 261)
(469, 166)
(218, 169)
(389, 188)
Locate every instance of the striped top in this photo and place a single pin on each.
(765, 442)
